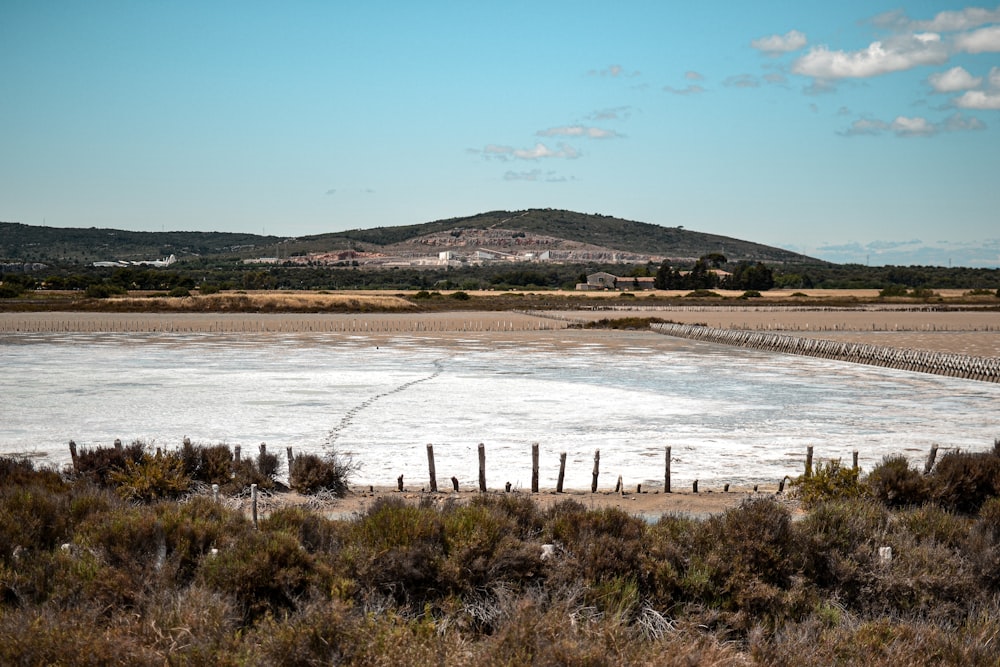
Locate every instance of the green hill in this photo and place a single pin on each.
(20, 242)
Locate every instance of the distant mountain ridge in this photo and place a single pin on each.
(583, 236)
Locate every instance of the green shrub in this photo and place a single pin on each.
(750, 294)
(460, 296)
(99, 463)
(209, 288)
(895, 484)
(702, 294)
(208, 464)
(179, 291)
(102, 291)
(310, 473)
(828, 482)
(265, 571)
(151, 478)
(962, 482)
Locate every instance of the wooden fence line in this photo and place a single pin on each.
(985, 369)
(619, 488)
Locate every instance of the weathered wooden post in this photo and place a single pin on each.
(454, 483)
(399, 482)
(620, 486)
(430, 466)
(666, 474)
(930, 460)
(597, 470)
(809, 461)
(855, 456)
(253, 503)
(215, 492)
(507, 487)
(694, 487)
(118, 444)
(482, 468)
(534, 467)
(263, 450)
(72, 454)
(562, 473)
(236, 454)
(288, 452)
(725, 489)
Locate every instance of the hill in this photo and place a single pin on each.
(566, 235)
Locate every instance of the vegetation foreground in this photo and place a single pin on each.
(121, 561)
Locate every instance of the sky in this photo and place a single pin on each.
(853, 131)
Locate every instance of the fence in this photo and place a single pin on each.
(986, 369)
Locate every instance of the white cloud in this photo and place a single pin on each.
(984, 40)
(978, 99)
(541, 151)
(537, 152)
(793, 40)
(954, 80)
(742, 81)
(534, 175)
(692, 89)
(691, 75)
(894, 55)
(614, 113)
(917, 126)
(613, 71)
(964, 19)
(579, 131)
(865, 126)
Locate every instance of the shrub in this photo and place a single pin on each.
(310, 473)
(21, 471)
(895, 484)
(211, 465)
(828, 482)
(179, 291)
(102, 291)
(151, 478)
(209, 288)
(703, 293)
(460, 296)
(99, 463)
(265, 571)
(750, 294)
(962, 482)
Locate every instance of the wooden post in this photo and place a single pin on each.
(215, 492)
(507, 487)
(118, 444)
(930, 460)
(482, 468)
(809, 461)
(288, 452)
(597, 470)
(638, 488)
(666, 474)
(72, 454)
(621, 486)
(694, 487)
(253, 503)
(725, 489)
(855, 459)
(430, 466)
(236, 453)
(454, 483)
(534, 467)
(399, 482)
(562, 473)
(263, 450)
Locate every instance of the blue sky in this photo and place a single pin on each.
(849, 130)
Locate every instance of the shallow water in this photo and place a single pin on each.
(729, 415)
